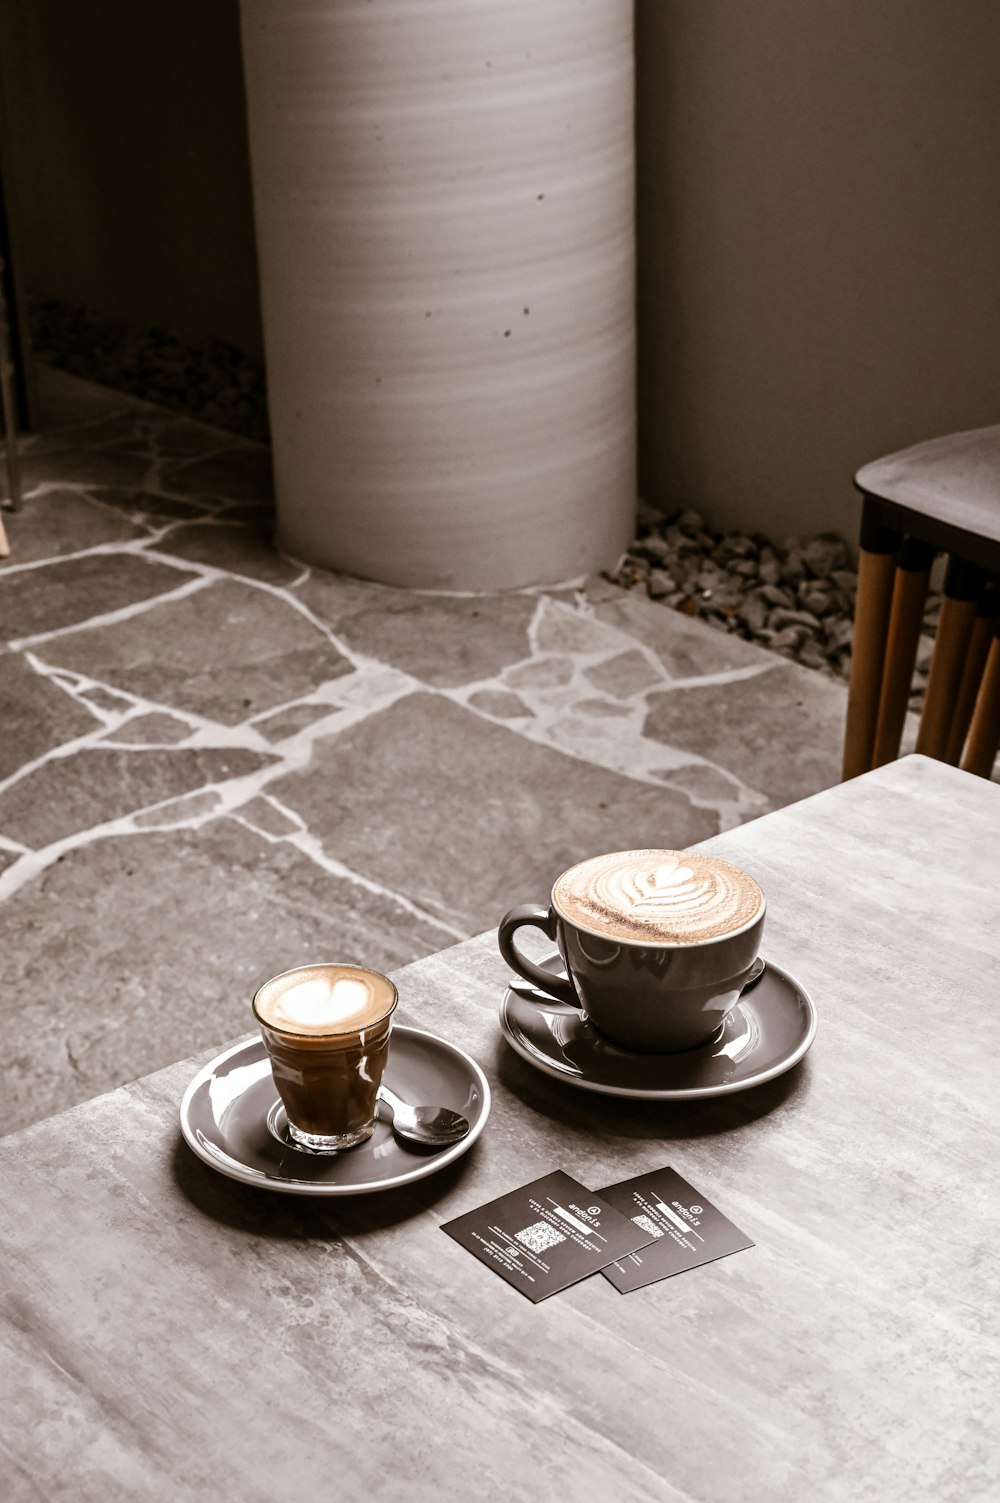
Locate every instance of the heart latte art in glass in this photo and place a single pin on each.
(322, 1000)
(660, 897)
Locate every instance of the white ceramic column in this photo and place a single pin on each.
(444, 204)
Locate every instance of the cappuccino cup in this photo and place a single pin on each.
(657, 944)
(326, 1029)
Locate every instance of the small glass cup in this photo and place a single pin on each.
(328, 1072)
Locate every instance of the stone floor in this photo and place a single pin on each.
(217, 763)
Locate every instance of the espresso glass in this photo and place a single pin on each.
(328, 1082)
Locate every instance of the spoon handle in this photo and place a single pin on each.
(532, 993)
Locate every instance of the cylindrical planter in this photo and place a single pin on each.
(445, 223)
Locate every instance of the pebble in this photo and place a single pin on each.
(660, 583)
(846, 581)
(754, 612)
(657, 549)
(773, 595)
(790, 638)
(793, 570)
(824, 553)
(838, 635)
(811, 655)
(780, 617)
(737, 546)
(817, 597)
(691, 521)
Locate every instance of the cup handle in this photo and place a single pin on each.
(540, 917)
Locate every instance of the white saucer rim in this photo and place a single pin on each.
(695, 1093)
(420, 1169)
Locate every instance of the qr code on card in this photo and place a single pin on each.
(539, 1236)
(647, 1226)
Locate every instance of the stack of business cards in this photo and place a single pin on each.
(554, 1232)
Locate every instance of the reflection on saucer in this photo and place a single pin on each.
(767, 1032)
(746, 1039)
(565, 1035)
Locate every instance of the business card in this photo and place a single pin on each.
(685, 1228)
(548, 1234)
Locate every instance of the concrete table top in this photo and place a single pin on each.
(166, 1333)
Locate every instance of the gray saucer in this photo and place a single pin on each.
(767, 1032)
(231, 1117)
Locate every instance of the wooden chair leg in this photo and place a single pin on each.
(4, 545)
(975, 662)
(913, 572)
(984, 733)
(876, 574)
(962, 586)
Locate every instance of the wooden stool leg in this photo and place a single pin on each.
(962, 585)
(975, 662)
(984, 733)
(913, 572)
(876, 572)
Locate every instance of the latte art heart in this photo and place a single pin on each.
(319, 1000)
(664, 897)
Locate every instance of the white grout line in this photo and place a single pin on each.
(113, 618)
(576, 583)
(537, 616)
(308, 844)
(723, 677)
(295, 820)
(97, 550)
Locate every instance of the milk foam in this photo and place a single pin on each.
(324, 999)
(663, 897)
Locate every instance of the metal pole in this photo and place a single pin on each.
(8, 407)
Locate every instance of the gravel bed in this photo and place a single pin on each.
(206, 379)
(795, 597)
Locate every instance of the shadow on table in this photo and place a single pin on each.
(618, 1116)
(267, 1213)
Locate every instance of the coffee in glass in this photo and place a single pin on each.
(326, 1028)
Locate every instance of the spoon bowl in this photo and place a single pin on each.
(424, 1126)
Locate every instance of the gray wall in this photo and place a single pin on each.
(819, 219)
(819, 245)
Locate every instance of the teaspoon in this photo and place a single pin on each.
(426, 1126)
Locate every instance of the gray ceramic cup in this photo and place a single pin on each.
(648, 998)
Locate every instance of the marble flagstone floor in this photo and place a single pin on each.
(217, 763)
